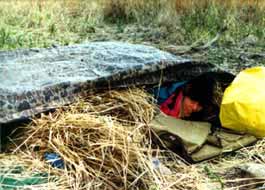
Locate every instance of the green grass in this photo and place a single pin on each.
(207, 22)
(28, 23)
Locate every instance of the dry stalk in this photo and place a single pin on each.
(105, 144)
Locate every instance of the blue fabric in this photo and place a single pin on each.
(55, 160)
(162, 93)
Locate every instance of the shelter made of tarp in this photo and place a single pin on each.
(37, 80)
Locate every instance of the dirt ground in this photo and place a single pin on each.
(231, 55)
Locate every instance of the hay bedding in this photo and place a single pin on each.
(105, 144)
(25, 172)
(104, 141)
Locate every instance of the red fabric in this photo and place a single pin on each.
(175, 112)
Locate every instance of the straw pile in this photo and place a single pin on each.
(224, 172)
(105, 144)
(25, 172)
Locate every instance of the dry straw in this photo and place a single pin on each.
(105, 144)
(18, 171)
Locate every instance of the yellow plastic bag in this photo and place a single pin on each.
(243, 103)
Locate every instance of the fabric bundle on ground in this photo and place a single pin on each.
(194, 140)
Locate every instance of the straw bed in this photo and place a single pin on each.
(18, 171)
(105, 144)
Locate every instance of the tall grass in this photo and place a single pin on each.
(41, 23)
(188, 4)
(30, 23)
(205, 20)
(198, 19)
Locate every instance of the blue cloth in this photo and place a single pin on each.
(162, 93)
(55, 160)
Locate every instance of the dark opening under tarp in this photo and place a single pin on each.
(37, 80)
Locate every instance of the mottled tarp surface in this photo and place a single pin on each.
(36, 80)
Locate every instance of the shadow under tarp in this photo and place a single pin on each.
(194, 140)
(37, 80)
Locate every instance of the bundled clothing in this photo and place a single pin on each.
(172, 105)
(170, 98)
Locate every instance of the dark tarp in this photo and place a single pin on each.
(37, 80)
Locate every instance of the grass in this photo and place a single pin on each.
(105, 144)
(42, 23)
(207, 21)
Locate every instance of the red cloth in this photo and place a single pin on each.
(175, 112)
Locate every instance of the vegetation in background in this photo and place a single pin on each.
(208, 20)
(42, 23)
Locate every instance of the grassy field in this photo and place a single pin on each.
(160, 23)
(29, 23)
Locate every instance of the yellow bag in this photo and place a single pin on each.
(243, 103)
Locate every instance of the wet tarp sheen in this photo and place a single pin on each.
(36, 80)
